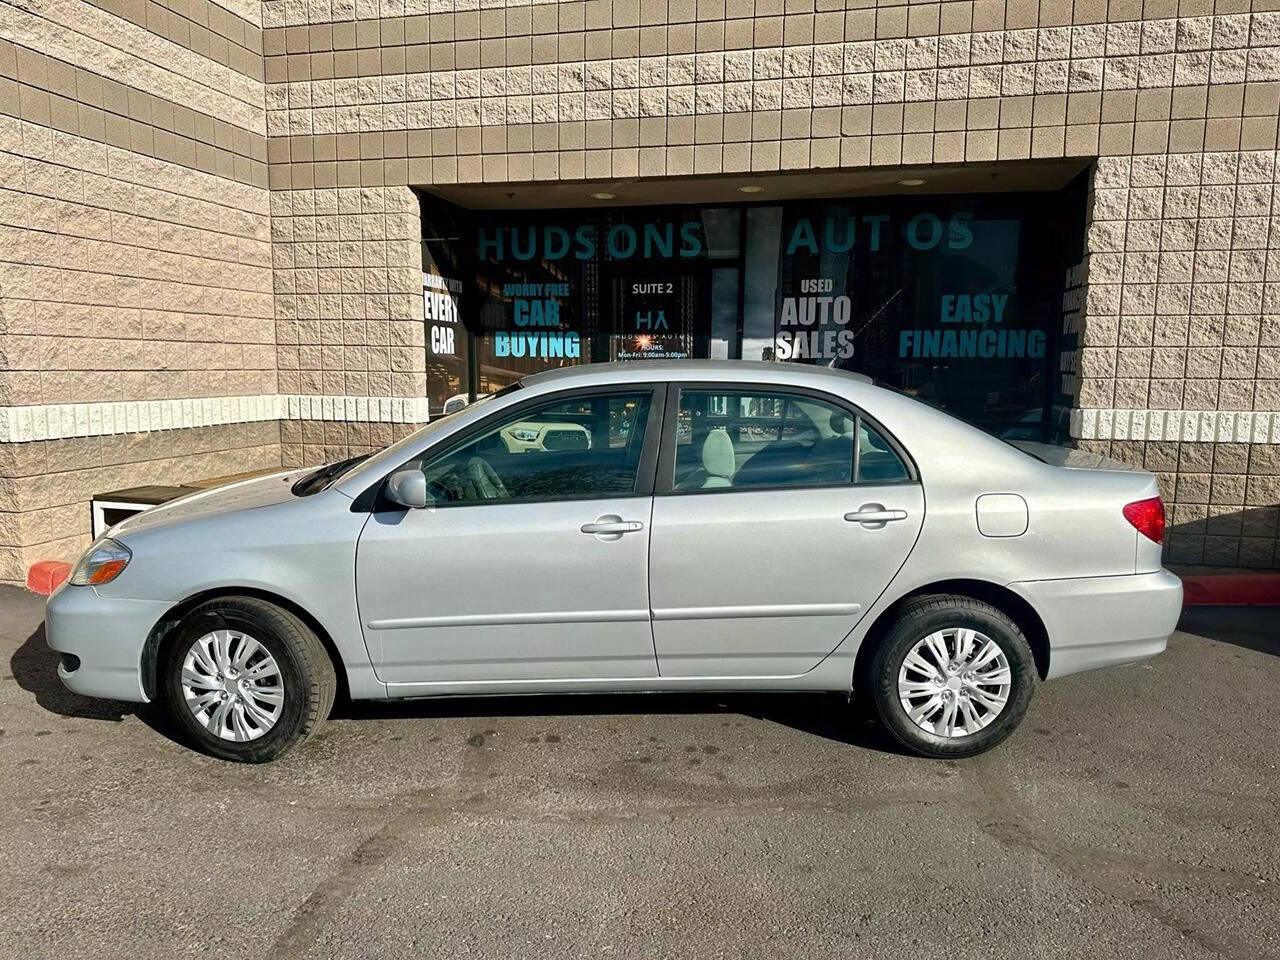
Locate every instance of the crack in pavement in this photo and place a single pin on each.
(994, 810)
(352, 871)
(1113, 875)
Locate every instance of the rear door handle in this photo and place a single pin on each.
(612, 524)
(875, 514)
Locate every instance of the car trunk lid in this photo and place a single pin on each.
(1073, 459)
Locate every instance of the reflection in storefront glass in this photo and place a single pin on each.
(444, 335)
(759, 325)
(956, 299)
(952, 303)
(722, 230)
(724, 313)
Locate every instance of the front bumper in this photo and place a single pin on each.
(106, 635)
(1104, 621)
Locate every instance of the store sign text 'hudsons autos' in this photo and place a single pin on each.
(813, 322)
(667, 240)
(814, 325)
(620, 242)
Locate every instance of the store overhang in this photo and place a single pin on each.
(764, 187)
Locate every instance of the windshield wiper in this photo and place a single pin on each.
(319, 479)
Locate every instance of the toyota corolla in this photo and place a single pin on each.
(723, 526)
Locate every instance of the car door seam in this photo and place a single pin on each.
(374, 661)
(924, 517)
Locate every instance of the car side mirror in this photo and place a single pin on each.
(408, 488)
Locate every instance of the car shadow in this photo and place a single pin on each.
(35, 667)
(823, 715)
(828, 716)
(1254, 628)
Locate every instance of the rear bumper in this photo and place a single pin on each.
(1104, 621)
(106, 636)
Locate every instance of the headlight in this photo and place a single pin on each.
(103, 562)
(525, 435)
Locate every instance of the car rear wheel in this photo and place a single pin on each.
(245, 679)
(953, 676)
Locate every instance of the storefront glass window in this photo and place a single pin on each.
(444, 282)
(953, 298)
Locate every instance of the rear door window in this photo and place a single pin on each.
(878, 462)
(744, 439)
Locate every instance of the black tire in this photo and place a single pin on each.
(922, 616)
(305, 669)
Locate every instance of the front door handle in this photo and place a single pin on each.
(875, 515)
(612, 526)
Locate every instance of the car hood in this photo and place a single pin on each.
(1072, 458)
(244, 495)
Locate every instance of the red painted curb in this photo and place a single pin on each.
(1231, 589)
(45, 576)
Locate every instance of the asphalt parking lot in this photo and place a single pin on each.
(1134, 814)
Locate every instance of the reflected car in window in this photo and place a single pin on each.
(527, 436)
(1029, 425)
(458, 401)
(666, 525)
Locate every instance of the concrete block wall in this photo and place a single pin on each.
(135, 258)
(348, 287)
(281, 140)
(1221, 497)
(1180, 352)
(46, 485)
(1177, 362)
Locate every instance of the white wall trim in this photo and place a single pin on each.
(59, 421)
(1187, 426)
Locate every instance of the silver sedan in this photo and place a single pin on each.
(641, 527)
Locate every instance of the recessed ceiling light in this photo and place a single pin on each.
(751, 188)
(604, 196)
(912, 182)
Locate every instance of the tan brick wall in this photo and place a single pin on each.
(153, 278)
(1179, 100)
(1183, 293)
(135, 252)
(140, 141)
(1221, 497)
(348, 282)
(45, 486)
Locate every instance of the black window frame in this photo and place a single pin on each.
(373, 499)
(664, 483)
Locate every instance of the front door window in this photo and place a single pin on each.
(583, 448)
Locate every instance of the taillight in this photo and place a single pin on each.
(1147, 516)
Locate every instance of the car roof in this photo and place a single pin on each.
(730, 370)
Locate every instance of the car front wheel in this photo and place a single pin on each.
(952, 677)
(245, 679)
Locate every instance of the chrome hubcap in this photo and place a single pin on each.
(954, 682)
(232, 685)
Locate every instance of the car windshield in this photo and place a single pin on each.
(326, 476)
(391, 454)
